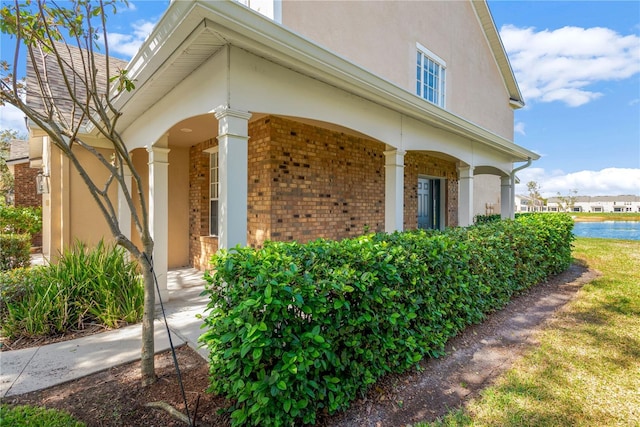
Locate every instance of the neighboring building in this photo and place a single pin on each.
(309, 122)
(25, 180)
(598, 204)
(529, 204)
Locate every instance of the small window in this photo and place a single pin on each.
(214, 192)
(430, 77)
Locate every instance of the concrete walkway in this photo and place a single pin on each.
(22, 371)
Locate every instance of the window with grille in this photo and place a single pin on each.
(430, 77)
(214, 190)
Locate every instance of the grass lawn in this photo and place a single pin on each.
(586, 371)
(605, 216)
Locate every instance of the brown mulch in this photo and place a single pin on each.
(474, 359)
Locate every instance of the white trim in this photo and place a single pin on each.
(440, 89)
(432, 55)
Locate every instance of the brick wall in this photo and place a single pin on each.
(25, 193)
(201, 245)
(321, 183)
(306, 182)
(420, 164)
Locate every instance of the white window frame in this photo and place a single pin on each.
(214, 188)
(435, 94)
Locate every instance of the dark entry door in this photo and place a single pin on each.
(428, 203)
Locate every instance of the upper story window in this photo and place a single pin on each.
(430, 76)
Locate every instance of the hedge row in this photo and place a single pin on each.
(294, 329)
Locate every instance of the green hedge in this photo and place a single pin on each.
(15, 251)
(294, 329)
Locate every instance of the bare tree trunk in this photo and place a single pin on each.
(147, 362)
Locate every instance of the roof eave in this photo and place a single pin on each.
(495, 42)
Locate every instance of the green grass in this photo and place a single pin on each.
(586, 370)
(606, 216)
(33, 416)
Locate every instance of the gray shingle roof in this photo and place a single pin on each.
(18, 150)
(71, 58)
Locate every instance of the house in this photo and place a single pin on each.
(26, 192)
(529, 204)
(599, 204)
(304, 120)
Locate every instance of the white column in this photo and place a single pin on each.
(233, 135)
(394, 191)
(124, 210)
(465, 196)
(506, 204)
(159, 212)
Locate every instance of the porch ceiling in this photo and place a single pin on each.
(191, 54)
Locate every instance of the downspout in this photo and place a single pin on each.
(512, 209)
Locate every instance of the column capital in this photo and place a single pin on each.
(232, 122)
(224, 111)
(158, 154)
(465, 171)
(394, 157)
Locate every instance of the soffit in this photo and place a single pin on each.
(154, 80)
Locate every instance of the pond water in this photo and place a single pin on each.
(626, 230)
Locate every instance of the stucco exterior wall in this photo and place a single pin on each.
(140, 163)
(381, 37)
(69, 210)
(86, 221)
(178, 207)
(486, 194)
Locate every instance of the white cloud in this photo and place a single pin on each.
(128, 44)
(605, 182)
(12, 119)
(519, 128)
(560, 65)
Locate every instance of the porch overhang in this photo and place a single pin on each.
(191, 32)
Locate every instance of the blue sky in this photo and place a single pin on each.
(578, 67)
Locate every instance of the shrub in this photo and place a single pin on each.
(15, 251)
(20, 219)
(24, 415)
(297, 329)
(484, 219)
(86, 286)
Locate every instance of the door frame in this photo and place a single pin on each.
(441, 199)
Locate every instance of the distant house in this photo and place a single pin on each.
(25, 180)
(599, 204)
(306, 120)
(529, 204)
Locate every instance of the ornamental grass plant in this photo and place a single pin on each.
(86, 286)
